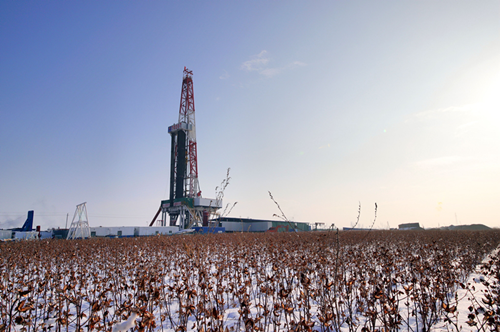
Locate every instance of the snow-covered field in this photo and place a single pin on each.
(316, 281)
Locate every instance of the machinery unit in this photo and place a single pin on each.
(185, 207)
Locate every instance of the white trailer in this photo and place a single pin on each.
(100, 231)
(33, 235)
(5, 235)
(149, 231)
(124, 231)
(127, 231)
(112, 231)
(45, 235)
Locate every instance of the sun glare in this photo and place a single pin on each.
(491, 100)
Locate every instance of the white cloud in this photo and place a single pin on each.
(224, 76)
(435, 113)
(466, 127)
(270, 72)
(260, 61)
(257, 63)
(454, 121)
(297, 64)
(444, 161)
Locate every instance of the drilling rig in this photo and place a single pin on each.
(185, 207)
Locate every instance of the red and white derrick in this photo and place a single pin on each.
(187, 115)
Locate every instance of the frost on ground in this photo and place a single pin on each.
(476, 306)
(126, 325)
(315, 281)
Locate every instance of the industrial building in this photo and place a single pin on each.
(257, 225)
(409, 226)
(132, 231)
(25, 232)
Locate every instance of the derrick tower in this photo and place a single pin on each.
(185, 204)
(184, 158)
(79, 228)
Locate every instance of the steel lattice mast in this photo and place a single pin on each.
(79, 228)
(185, 207)
(187, 115)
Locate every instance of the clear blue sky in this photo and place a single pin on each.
(323, 103)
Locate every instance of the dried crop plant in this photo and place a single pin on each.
(219, 196)
(321, 281)
(282, 216)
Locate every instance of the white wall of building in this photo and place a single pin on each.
(148, 231)
(26, 235)
(132, 231)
